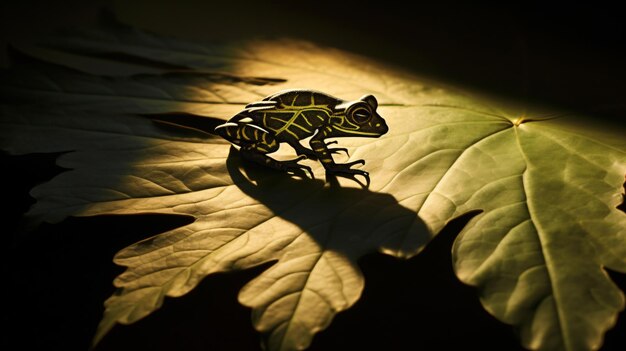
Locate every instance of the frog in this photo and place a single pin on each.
(292, 116)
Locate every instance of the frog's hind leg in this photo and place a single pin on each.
(244, 134)
(256, 143)
(301, 150)
(290, 166)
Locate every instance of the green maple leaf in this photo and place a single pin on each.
(547, 187)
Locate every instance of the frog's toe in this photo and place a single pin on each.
(352, 175)
(299, 158)
(293, 167)
(344, 170)
(357, 162)
(306, 153)
(338, 150)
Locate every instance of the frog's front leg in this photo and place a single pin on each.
(337, 169)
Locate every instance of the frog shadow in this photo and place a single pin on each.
(351, 221)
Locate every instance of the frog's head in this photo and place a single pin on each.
(360, 118)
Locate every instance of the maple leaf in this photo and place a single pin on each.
(547, 187)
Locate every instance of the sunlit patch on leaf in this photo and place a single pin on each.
(548, 190)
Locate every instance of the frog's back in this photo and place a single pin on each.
(303, 99)
(287, 115)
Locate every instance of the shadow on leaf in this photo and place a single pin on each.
(353, 219)
(316, 275)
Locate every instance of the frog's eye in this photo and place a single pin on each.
(360, 114)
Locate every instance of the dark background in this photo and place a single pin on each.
(57, 277)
